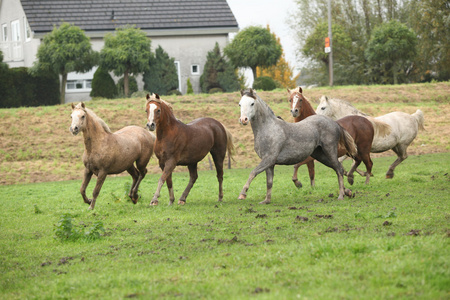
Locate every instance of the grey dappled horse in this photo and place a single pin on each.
(280, 143)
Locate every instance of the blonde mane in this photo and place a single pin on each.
(94, 116)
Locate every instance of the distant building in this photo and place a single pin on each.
(185, 29)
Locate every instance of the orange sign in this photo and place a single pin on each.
(327, 42)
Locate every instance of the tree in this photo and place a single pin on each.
(66, 49)
(392, 45)
(281, 72)
(103, 85)
(218, 73)
(162, 76)
(430, 20)
(253, 47)
(126, 52)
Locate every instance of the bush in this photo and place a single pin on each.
(132, 86)
(190, 90)
(215, 90)
(19, 88)
(264, 83)
(162, 76)
(103, 85)
(174, 92)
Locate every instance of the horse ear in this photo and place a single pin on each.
(148, 96)
(73, 106)
(82, 105)
(252, 92)
(242, 92)
(288, 90)
(156, 95)
(300, 90)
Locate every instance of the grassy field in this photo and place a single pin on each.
(389, 242)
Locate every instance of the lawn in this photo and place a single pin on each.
(390, 241)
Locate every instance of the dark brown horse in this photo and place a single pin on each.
(358, 127)
(179, 144)
(111, 153)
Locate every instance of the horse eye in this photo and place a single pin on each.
(239, 105)
(158, 111)
(323, 108)
(83, 117)
(290, 100)
(252, 104)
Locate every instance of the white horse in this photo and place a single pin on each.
(404, 127)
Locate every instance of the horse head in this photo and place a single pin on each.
(78, 118)
(295, 99)
(324, 108)
(247, 105)
(153, 109)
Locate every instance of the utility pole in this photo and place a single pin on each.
(330, 55)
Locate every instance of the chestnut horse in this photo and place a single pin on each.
(359, 128)
(179, 144)
(111, 153)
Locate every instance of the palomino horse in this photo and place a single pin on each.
(359, 128)
(185, 144)
(280, 143)
(111, 153)
(404, 127)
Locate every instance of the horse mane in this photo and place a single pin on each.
(155, 97)
(340, 102)
(252, 94)
(94, 116)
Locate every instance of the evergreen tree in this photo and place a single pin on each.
(103, 85)
(218, 73)
(162, 76)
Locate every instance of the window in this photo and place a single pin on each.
(27, 29)
(177, 65)
(195, 69)
(79, 85)
(15, 31)
(4, 32)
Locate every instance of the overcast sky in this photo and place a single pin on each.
(272, 12)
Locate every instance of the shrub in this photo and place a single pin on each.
(215, 90)
(264, 83)
(174, 92)
(163, 75)
(190, 90)
(103, 85)
(65, 230)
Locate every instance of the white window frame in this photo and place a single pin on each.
(85, 85)
(178, 66)
(4, 32)
(27, 30)
(15, 31)
(195, 72)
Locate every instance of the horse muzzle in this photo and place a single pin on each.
(243, 120)
(151, 126)
(74, 131)
(294, 113)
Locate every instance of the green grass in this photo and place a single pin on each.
(390, 241)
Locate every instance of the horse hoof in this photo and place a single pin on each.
(181, 202)
(264, 202)
(154, 203)
(389, 176)
(298, 184)
(348, 193)
(242, 197)
(350, 180)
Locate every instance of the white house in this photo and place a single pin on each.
(185, 29)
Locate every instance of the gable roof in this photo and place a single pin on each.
(107, 15)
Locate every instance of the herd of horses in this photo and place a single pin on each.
(335, 131)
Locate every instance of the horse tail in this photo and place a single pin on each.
(230, 145)
(346, 141)
(418, 116)
(380, 129)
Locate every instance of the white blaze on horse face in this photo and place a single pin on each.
(151, 124)
(78, 121)
(247, 105)
(294, 109)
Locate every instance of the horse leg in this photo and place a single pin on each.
(193, 175)
(310, 164)
(329, 159)
(400, 150)
(100, 180)
(269, 181)
(218, 162)
(262, 166)
(297, 182)
(341, 160)
(170, 188)
(350, 177)
(368, 162)
(167, 168)
(86, 179)
(312, 172)
(135, 175)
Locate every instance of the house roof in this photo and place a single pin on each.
(107, 15)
